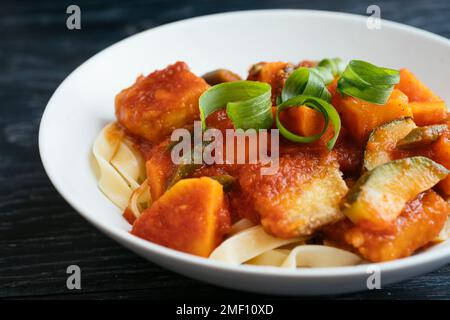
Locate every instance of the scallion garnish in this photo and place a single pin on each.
(305, 81)
(368, 82)
(325, 108)
(247, 103)
(335, 66)
(312, 81)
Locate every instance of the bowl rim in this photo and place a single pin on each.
(124, 237)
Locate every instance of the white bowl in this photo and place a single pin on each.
(84, 103)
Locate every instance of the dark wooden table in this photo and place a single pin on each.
(40, 234)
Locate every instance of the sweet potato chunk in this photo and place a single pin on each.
(191, 217)
(428, 113)
(361, 117)
(420, 222)
(157, 104)
(302, 196)
(414, 88)
(160, 169)
(273, 73)
(303, 121)
(427, 107)
(441, 154)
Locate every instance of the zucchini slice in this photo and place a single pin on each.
(378, 197)
(383, 139)
(422, 136)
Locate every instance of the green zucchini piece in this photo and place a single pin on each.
(383, 140)
(379, 196)
(422, 136)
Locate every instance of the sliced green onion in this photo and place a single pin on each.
(368, 82)
(305, 81)
(325, 108)
(335, 66)
(325, 73)
(312, 81)
(248, 103)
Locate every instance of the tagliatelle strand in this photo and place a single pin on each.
(140, 199)
(129, 163)
(239, 226)
(246, 245)
(319, 256)
(110, 181)
(272, 258)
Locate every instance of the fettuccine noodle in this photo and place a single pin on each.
(254, 246)
(121, 167)
(247, 244)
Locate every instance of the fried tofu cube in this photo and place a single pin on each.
(163, 101)
(301, 197)
(192, 217)
(420, 222)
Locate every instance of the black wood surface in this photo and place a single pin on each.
(40, 234)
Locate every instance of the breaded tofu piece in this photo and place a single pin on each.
(302, 196)
(192, 217)
(157, 104)
(420, 222)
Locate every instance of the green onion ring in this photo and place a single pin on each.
(248, 103)
(335, 66)
(326, 109)
(305, 81)
(368, 82)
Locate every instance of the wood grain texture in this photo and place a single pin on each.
(40, 234)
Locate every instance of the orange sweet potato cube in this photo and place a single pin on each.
(428, 113)
(302, 120)
(441, 154)
(426, 106)
(160, 169)
(192, 217)
(414, 88)
(360, 117)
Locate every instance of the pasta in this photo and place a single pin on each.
(140, 199)
(120, 166)
(254, 246)
(246, 245)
